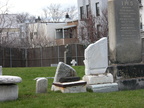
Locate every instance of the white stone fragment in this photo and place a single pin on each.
(73, 62)
(10, 79)
(63, 70)
(41, 85)
(8, 92)
(96, 57)
(98, 79)
(110, 87)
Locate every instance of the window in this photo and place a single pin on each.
(87, 9)
(81, 13)
(97, 9)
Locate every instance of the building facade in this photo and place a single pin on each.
(44, 34)
(92, 20)
(98, 10)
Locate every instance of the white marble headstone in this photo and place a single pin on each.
(41, 85)
(96, 57)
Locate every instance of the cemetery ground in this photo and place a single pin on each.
(29, 99)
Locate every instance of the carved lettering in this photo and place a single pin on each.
(127, 3)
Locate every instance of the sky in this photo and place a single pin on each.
(34, 7)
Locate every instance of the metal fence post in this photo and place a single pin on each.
(26, 53)
(58, 53)
(76, 53)
(41, 56)
(10, 58)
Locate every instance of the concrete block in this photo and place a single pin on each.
(110, 87)
(98, 79)
(8, 92)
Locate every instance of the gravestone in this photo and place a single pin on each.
(41, 85)
(125, 42)
(124, 31)
(96, 57)
(96, 63)
(64, 70)
(67, 54)
(66, 80)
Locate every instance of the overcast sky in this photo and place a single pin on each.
(35, 7)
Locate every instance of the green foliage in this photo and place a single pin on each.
(29, 99)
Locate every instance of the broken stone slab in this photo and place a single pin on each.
(41, 85)
(63, 70)
(98, 79)
(70, 87)
(10, 79)
(110, 87)
(69, 79)
(96, 57)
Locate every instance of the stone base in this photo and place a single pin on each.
(8, 92)
(131, 84)
(70, 87)
(125, 71)
(110, 87)
(95, 71)
(98, 79)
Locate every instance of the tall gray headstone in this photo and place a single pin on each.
(124, 31)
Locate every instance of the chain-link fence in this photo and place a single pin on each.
(40, 57)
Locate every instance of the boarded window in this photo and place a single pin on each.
(81, 12)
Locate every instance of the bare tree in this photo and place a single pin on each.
(25, 17)
(93, 27)
(8, 26)
(72, 11)
(55, 13)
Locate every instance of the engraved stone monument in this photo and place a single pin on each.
(125, 42)
(124, 31)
